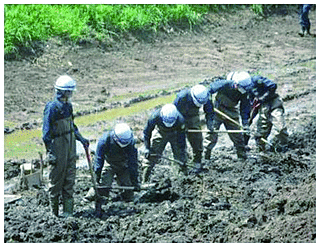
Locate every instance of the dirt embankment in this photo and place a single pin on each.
(269, 198)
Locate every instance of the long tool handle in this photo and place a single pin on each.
(92, 173)
(227, 117)
(142, 187)
(235, 122)
(218, 131)
(166, 158)
(172, 160)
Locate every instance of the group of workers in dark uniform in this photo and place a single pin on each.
(238, 97)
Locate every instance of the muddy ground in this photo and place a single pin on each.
(269, 198)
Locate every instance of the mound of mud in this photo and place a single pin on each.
(269, 198)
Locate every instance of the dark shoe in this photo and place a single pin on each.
(207, 155)
(198, 168)
(67, 208)
(242, 155)
(184, 170)
(302, 31)
(90, 196)
(55, 206)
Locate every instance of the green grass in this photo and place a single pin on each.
(27, 23)
(25, 144)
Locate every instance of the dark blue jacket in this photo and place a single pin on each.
(229, 96)
(56, 110)
(109, 150)
(187, 108)
(178, 128)
(263, 88)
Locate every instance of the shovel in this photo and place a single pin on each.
(143, 187)
(97, 197)
(218, 131)
(172, 160)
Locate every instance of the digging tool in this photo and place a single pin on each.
(142, 187)
(235, 122)
(145, 188)
(219, 131)
(94, 182)
(172, 160)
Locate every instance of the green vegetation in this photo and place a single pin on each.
(27, 23)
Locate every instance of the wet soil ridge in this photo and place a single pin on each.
(269, 198)
(140, 98)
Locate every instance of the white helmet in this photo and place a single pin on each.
(243, 79)
(169, 115)
(123, 134)
(65, 83)
(200, 95)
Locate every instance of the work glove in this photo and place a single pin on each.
(246, 127)
(210, 125)
(85, 142)
(209, 122)
(246, 136)
(51, 159)
(98, 176)
(147, 153)
(137, 187)
(264, 97)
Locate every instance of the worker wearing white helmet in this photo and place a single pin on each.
(230, 93)
(117, 148)
(271, 122)
(188, 102)
(60, 135)
(165, 125)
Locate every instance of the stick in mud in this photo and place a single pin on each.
(239, 125)
(172, 160)
(97, 196)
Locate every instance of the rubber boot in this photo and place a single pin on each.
(198, 168)
(147, 173)
(90, 196)
(207, 154)
(241, 153)
(67, 208)
(98, 206)
(307, 32)
(184, 169)
(261, 145)
(55, 206)
(246, 139)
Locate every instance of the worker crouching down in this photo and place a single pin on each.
(165, 125)
(230, 93)
(271, 119)
(60, 135)
(117, 148)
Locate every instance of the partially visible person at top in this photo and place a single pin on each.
(304, 19)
